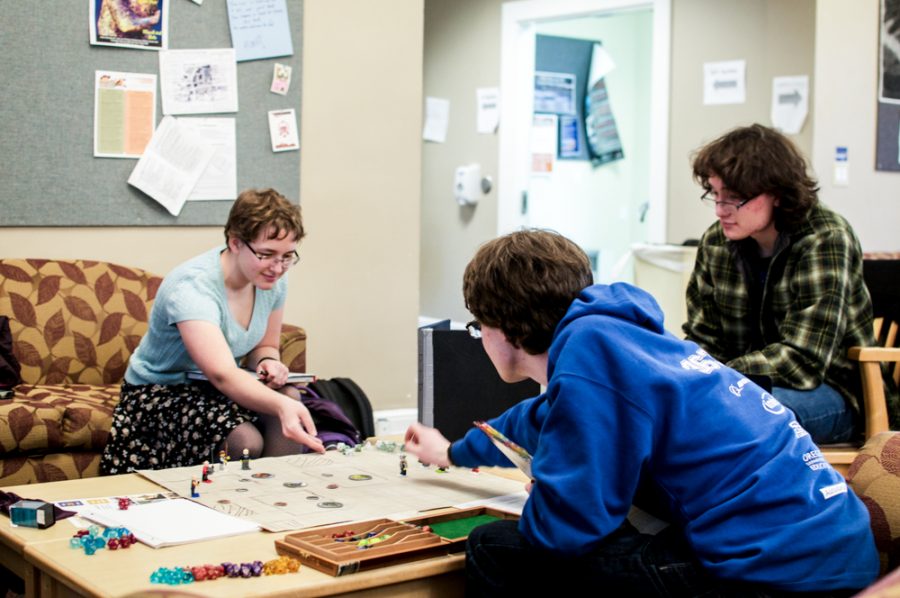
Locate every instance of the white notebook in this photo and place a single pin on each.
(172, 522)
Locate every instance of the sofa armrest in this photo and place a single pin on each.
(293, 347)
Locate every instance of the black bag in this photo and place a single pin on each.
(352, 401)
(10, 369)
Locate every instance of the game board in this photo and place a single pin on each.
(300, 491)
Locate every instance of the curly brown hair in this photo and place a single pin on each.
(523, 283)
(754, 160)
(256, 211)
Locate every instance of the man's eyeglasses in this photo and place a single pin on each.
(730, 205)
(286, 261)
(474, 328)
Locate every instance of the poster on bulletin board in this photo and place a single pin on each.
(136, 24)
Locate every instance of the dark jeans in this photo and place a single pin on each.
(500, 562)
(822, 412)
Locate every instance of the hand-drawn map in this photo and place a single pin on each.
(300, 491)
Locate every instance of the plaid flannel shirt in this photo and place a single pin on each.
(815, 305)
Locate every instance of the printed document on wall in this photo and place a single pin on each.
(488, 104)
(136, 24)
(283, 130)
(219, 180)
(554, 92)
(259, 29)
(725, 82)
(437, 116)
(198, 81)
(171, 165)
(790, 103)
(124, 113)
(544, 129)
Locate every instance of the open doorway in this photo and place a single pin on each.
(605, 208)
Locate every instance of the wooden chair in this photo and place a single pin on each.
(881, 272)
(874, 404)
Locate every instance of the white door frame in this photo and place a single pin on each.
(517, 98)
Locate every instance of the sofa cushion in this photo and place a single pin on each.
(875, 477)
(77, 321)
(56, 467)
(57, 418)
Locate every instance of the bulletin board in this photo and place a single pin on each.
(572, 56)
(48, 173)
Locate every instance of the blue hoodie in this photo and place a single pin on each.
(626, 402)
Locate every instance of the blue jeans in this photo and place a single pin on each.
(822, 412)
(500, 562)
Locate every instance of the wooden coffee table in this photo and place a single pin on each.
(50, 567)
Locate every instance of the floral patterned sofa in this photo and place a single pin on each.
(74, 325)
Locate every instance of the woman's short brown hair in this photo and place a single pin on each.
(523, 283)
(259, 211)
(754, 160)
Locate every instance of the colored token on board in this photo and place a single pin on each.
(360, 477)
(330, 504)
(295, 484)
(262, 476)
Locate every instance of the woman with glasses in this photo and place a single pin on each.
(212, 313)
(777, 289)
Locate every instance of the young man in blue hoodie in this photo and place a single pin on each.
(629, 412)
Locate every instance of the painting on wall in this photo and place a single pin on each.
(887, 151)
(889, 84)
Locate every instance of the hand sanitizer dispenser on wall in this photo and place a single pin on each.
(467, 184)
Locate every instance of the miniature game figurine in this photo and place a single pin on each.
(123, 503)
(194, 485)
(245, 459)
(206, 469)
(403, 465)
(223, 460)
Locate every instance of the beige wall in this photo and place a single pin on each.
(845, 98)
(462, 53)
(775, 37)
(356, 288)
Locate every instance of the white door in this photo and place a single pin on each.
(605, 209)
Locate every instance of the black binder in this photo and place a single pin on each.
(458, 383)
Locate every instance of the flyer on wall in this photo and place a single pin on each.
(124, 113)
(137, 24)
(198, 81)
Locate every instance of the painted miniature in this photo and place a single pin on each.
(403, 465)
(194, 485)
(245, 459)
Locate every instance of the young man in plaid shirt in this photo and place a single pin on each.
(777, 289)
